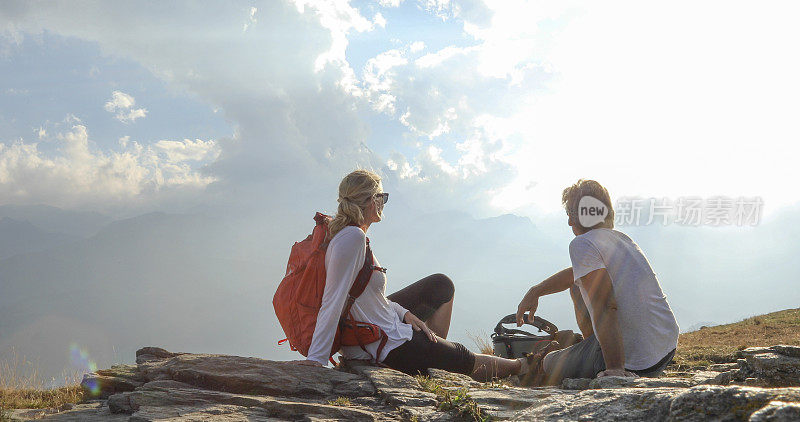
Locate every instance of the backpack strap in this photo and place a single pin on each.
(362, 279)
(360, 284)
(384, 339)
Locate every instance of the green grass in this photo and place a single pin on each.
(340, 401)
(719, 344)
(457, 400)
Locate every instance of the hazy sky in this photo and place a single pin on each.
(489, 107)
(254, 110)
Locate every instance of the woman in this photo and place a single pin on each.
(416, 319)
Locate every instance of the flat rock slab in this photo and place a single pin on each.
(777, 411)
(255, 376)
(176, 403)
(166, 386)
(698, 403)
(89, 412)
(726, 403)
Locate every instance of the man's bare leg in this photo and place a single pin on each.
(439, 322)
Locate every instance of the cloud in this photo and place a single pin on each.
(251, 19)
(288, 88)
(282, 84)
(122, 104)
(187, 150)
(522, 87)
(79, 175)
(390, 3)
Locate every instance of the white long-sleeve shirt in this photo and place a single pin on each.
(343, 260)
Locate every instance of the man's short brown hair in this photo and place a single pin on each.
(573, 194)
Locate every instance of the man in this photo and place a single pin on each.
(627, 324)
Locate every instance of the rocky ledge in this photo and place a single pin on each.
(763, 385)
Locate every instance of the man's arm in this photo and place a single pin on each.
(604, 313)
(581, 312)
(557, 282)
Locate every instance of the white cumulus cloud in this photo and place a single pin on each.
(121, 104)
(79, 174)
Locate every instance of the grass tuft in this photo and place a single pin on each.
(340, 401)
(457, 400)
(484, 346)
(22, 388)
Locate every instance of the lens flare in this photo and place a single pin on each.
(79, 358)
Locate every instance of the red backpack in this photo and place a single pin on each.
(299, 296)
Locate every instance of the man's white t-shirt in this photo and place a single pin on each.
(343, 260)
(648, 326)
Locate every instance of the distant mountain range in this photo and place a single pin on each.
(21, 236)
(191, 282)
(56, 220)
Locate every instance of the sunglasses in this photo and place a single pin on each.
(384, 196)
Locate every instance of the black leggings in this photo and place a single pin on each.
(415, 356)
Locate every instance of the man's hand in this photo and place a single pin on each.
(419, 325)
(616, 373)
(528, 304)
(307, 362)
(557, 282)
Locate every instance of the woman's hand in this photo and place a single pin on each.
(307, 362)
(616, 373)
(419, 325)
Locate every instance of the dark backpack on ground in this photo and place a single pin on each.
(514, 343)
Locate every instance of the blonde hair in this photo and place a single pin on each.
(355, 192)
(573, 194)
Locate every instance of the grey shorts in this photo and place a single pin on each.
(585, 360)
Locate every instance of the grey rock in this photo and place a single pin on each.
(642, 382)
(712, 377)
(452, 379)
(156, 352)
(723, 367)
(167, 386)
(642, 403)
(119, 378)
(786, 350)
(775, 369)
(506, 403)
(149, 354)
(726, 403)
(777, 411)
(781, 349)
(559, 405)
(247, 375)
(161, 384)
(175, 403)
(576, 383)
(396, 387)
(219, 412)
(90, 412)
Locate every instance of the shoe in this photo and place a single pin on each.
(535, 375)
(567, 338)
